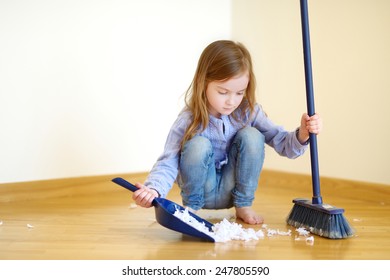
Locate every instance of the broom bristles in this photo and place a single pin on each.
(325, 221)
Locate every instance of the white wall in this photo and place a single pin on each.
(91, 87)
(350, 42)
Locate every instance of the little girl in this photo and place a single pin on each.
(215, 148)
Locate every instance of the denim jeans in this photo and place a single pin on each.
(204, 186)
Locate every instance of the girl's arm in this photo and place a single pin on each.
(165, 170)
(290, 144)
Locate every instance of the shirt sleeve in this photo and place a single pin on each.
(165, 170)
(284, 142)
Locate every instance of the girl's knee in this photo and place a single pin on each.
(251, 136)
(198, 143)
(196, 149)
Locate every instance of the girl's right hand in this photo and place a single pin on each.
(144, 196)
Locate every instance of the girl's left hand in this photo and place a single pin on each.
(311, 124)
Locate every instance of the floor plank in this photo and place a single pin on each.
(94, 219)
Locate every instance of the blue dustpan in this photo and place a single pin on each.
(165, 210)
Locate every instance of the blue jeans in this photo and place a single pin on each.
(204, 186)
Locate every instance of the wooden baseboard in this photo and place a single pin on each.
(82, 185)
(64, 187)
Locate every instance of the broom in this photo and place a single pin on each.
(320, 219)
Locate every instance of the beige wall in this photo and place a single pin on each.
(350, 41)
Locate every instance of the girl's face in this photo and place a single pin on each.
(224, 97)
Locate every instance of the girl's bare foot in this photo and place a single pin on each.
(249, 216)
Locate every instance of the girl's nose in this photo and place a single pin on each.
(230, 100)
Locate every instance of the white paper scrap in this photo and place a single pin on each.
(133, 206)
(225, 230)
(310, 240)
(302, 231)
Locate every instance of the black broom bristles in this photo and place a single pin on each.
(320, 219)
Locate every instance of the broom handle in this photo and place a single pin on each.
(317, 199)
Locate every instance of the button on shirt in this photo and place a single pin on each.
(220, 132)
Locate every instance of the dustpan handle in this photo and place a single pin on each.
(127, 185)
(317, 199)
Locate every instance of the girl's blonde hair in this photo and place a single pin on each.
(220, 61)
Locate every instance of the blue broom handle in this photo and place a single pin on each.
(317, 199)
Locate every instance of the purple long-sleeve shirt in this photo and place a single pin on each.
(220, 132)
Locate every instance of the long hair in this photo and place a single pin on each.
(219, 61)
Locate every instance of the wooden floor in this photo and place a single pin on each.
(94, 219)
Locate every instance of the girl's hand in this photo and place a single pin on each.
(144, 196)
(311, 124)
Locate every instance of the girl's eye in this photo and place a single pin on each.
(222, 92)
(241, 93)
